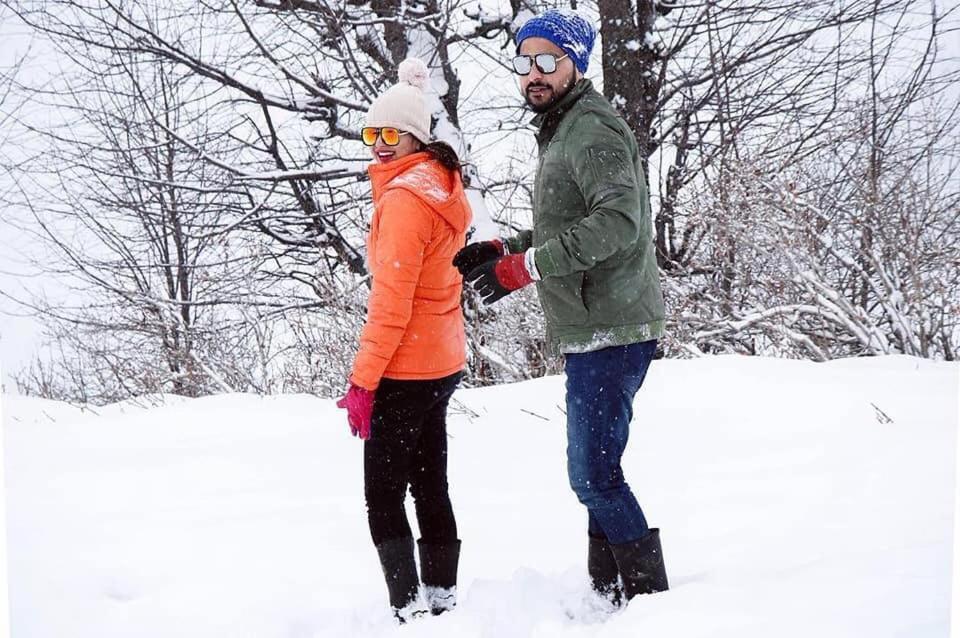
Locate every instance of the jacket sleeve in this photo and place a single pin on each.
(601, 161)
(405, 228)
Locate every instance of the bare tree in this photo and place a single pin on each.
(321, 63)
(10, 105)
(213, 157)
(288, 83)
(852, 248)
(133, 221)
(719, 91)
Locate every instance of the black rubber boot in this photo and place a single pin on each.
(400, 572)
(602, 567)
(641, 565)
(438, 571)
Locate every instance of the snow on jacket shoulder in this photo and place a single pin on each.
(414, 327)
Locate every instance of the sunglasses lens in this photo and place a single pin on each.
(521, 65)
(369, 135)
(547, 62)
(390, 136)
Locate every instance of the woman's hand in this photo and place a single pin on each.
(358, 403)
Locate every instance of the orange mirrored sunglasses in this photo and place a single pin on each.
(389, 135)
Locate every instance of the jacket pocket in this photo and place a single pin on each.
(562, 299)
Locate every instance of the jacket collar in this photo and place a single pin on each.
(382, 174)
(548, 120)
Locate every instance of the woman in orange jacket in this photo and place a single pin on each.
(412, 348)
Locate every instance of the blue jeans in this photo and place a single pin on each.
(600, 390)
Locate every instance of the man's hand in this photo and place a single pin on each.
(473, 255)
(496, 279)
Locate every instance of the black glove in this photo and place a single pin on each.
(497, 278)
(472, 255)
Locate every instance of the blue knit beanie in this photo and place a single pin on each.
(567, 29)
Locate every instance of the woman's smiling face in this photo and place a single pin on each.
(384, 153)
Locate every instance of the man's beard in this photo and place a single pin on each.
(557, 96)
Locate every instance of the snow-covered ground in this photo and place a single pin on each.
(794, 498)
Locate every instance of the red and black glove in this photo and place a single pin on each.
(473, 255)
(496, 279)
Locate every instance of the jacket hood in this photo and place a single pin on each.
(441, 189)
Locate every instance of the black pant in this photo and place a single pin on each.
(408, 445)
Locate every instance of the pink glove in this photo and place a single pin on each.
(359, 405)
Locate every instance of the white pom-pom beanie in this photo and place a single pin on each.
(403, 105)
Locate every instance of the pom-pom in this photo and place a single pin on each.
(415, 73)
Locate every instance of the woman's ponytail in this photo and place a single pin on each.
(444, 153)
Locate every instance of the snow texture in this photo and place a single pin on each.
(795, 499)
(422, 181)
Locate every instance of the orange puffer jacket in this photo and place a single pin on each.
(414, 326)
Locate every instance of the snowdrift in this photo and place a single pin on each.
(794, 498)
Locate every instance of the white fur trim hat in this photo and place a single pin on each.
(403, 105)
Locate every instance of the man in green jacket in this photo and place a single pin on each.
(591, 254)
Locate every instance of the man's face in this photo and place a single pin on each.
(543, 90)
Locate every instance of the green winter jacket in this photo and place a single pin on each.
(592, 228)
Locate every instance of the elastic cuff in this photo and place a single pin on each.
(530, 262)
(546, 266)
